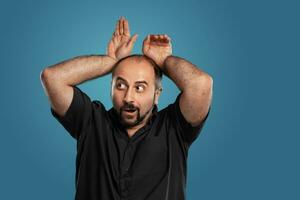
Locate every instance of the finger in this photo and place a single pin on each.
(146, 43)
(121, 30)
(132, 41)
(147, 39)
(169, 39)
(126, 28)
(117, 28)
(157, 39)
(162, 39)
(152, 38)
(165, 39)
(110, 48)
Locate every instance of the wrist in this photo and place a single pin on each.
(112, 59)
(165, 61)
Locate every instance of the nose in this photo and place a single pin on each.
(129, 96)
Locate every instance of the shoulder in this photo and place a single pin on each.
(173, 116)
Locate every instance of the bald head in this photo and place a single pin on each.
(141, 59)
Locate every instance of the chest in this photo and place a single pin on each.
(144, 153)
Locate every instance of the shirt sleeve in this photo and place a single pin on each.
(78, 115)
(186, 132)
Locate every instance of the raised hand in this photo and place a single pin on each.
(158, 48)
(121, 43)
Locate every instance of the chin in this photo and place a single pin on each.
(128, 122)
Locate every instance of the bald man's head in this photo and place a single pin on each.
(142, 58)
(135, 89)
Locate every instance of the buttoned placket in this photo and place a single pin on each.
(125, 179)
(125, 176)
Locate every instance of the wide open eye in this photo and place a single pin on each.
(120, 86)
(140, 88)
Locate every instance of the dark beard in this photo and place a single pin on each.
(139, 118)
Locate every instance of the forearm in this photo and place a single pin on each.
(184, 74)
(80, 69)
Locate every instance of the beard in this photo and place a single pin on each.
(133, 113)
(134, 118)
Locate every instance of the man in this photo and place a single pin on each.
(132, 151)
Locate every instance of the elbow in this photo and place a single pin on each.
(206, 81)
(200, 81)
(203, 83)
(44, 73)
(210, 81)
(46, 76)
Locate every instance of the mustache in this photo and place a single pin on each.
(129, 106)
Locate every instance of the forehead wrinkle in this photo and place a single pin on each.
(122, 79)
(136, 82)
(121, 71)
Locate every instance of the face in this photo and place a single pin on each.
(133, 92)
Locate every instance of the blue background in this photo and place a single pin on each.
(249, 147)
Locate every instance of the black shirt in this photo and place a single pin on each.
(110, 165)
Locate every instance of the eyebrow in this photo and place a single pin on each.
(120, 78)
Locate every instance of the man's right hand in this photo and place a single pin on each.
(58, 80)
(121, 43)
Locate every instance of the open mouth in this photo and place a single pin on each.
(130, 110)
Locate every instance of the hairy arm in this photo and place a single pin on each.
(196, 87)
(58, 80)
(195, 84)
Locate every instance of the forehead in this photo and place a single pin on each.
(135, 70)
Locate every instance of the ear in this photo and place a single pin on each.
(111, 88)
(157, 95)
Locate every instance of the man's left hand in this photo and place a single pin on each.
(158, 48)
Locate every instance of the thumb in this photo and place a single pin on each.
(110, 49)
(146, 40)
(132, 41)
(146, 43)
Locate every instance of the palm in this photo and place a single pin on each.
(117, 46)
(158, 48)
(121, 43)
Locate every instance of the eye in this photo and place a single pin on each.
(121, 86)
(140, 88)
